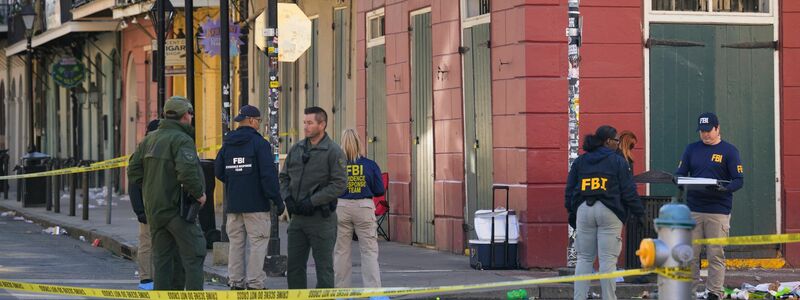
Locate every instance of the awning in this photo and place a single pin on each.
(64, 29)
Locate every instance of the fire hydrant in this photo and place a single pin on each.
(672, 249)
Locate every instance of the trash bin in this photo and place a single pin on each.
(208, 221)
(35, 189)
(634, 234)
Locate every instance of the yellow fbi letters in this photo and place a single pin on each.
(593, 184)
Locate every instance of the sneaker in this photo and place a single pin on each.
(146, 286)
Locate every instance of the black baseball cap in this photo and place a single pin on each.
(707, 121)
(247, 111)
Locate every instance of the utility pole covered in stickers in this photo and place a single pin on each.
(275, 264)
(573, 75)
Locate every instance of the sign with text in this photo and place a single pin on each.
(68, 72)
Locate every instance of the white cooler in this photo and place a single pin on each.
(483, 224)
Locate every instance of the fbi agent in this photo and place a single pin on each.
(711, 157)
(246, 165)
(600, 193)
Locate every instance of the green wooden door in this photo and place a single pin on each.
(727, 70)
(422, 129)
(477, 121)
(340, 64)
(312, 66)
(376, 105)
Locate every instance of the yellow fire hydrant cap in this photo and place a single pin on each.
(647, 253)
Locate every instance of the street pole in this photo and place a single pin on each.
(275, 264)
(244, 90)
(573, 77)
(29, 90)
(225, 53)
(189, 6)
(160, 59)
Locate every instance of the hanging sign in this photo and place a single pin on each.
(68, 72)
(210, 40)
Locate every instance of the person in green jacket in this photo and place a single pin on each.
(312, 178)
(166, 165)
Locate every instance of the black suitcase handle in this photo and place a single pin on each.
(508, 211)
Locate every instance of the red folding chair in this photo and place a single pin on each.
(382, 209)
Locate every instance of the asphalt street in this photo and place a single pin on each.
(27, 254)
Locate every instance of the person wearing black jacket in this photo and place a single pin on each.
(600, 194)
(246, 166)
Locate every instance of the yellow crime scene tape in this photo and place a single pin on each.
(324, 293)
(751, 240)
(113, 163)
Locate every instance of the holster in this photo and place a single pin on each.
(189, 207)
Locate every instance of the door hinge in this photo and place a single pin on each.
(305, 86)
(671, 43)
(416, 140)
(466, 227)
(333, 26)
(477, 144)
(433, 221)
(753, 45)
(463, 49)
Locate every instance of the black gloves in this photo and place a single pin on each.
(573, 219)
(142, 218)
(305, 207)
(717, 188)
(291, 205)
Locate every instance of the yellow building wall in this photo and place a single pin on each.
(207, 89)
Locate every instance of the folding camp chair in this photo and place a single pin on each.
(382, 209)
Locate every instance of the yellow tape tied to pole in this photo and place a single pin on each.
(751, 240)
(113, 163)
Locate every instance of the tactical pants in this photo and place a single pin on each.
(711, 226)
(144, 254)
(183, 239)
(319, 234)
(251, 229)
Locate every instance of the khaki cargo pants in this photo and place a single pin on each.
(711, 226)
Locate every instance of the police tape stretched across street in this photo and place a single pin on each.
(295, 294)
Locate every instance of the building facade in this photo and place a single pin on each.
(474, 94)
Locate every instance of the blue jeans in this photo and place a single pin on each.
(598, 235)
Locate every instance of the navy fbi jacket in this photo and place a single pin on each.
(720, 161)
(364, 180)
(247, 167)
(602, 175)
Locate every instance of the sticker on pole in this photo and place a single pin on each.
(294, 30)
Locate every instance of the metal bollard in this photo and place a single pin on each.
(72, 194)
(57, 188)
(48, 194)
(672, 249)
(85, 188)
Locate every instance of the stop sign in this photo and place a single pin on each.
(294, 32)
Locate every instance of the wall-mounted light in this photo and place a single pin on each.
(123, 24)
(134, 21)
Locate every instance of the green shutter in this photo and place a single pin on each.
(422, 127)
(478, 120)
(720, 71)
(340, 71)
(376, 106)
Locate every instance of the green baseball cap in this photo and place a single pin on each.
(176, 106)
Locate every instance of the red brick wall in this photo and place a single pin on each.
(612, 92)
(790, 122)
(448, 122)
